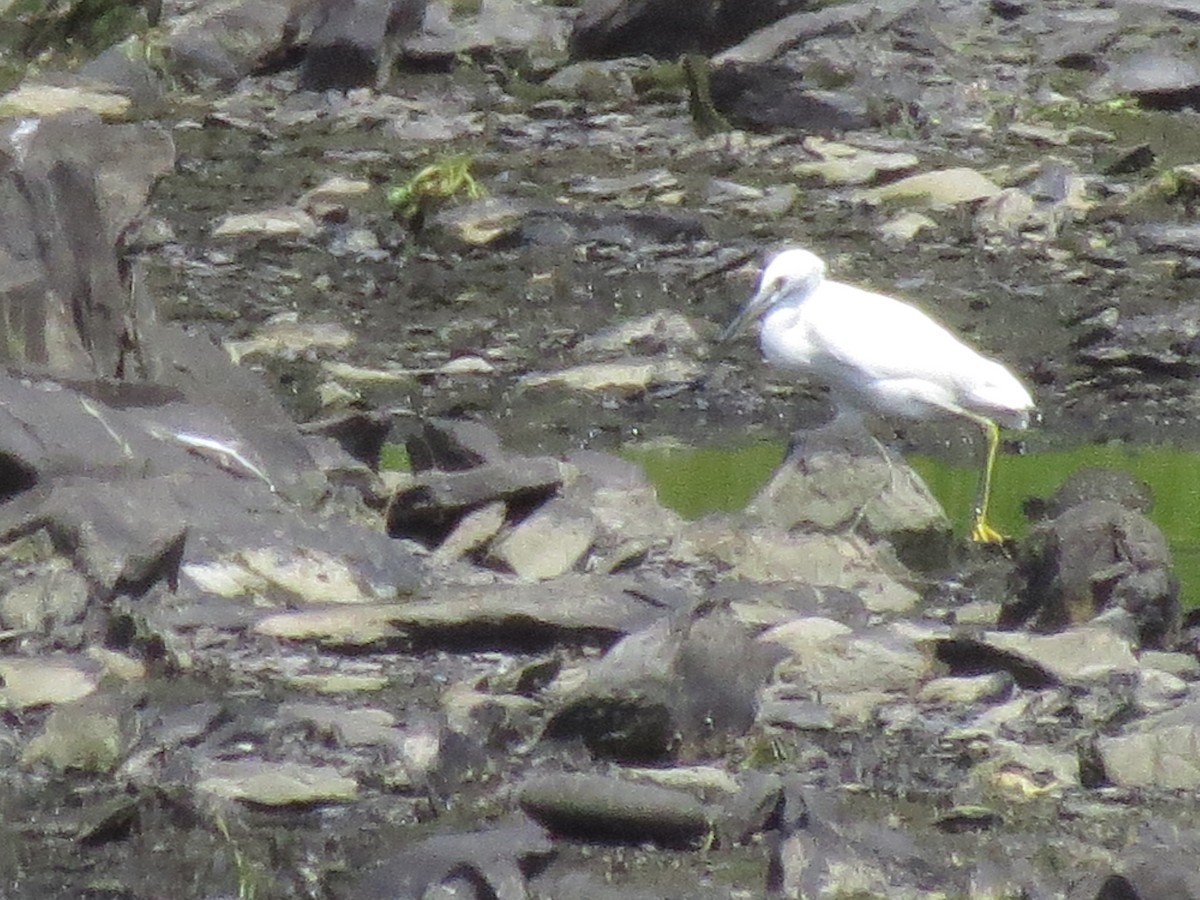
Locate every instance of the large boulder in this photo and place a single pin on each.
(71, 187)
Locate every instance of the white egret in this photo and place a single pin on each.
(877, 354)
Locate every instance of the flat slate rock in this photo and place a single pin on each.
(276, 784)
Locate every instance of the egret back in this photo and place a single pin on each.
(880, 354)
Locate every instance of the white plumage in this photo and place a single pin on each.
(878, 354)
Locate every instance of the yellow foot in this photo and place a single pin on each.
(983, 533)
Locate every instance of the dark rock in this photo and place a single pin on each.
(967, 656)
(1009, 9)
(128, 72)
(630, 228)
(840, 20)
(695, 677)
(109, 532)
(1080, 38)
(360, 433)
(607, 809)
(490, 861)
(453, 445)
(499, 223)
(829, 850)
(771, 97)
(755, 809)
(72, 308)
(570, 610)
(353, 42)
(1097, 556)
(54, 431)
(1183, 239)
(250, 418)
(218, 45)
(1130, 160)
(1159, 79)
(1157, 344)
(428, 510)
(666, 28)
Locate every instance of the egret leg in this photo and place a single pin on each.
(888, 485)
(981, 531)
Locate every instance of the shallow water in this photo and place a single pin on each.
(698, 481)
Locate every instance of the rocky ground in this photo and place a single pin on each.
(241, 660)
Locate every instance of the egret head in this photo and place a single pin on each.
(793, 273)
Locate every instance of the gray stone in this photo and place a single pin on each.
(494, 26)
(480, 222)
(90, 734)
(431, 506)
(116, 534)
(1158, 752)
(1081, 654)
(1094, 557)
(619, 498)
(773, 40)
(771, 97)
(565, 227)
(844, 164)
(571, 609)
(594, 81)
(275, 784)
(126, 68)
(630, 377)
(957, 692)
(827, 850)
(71, 188)
(552, 541)
(933, 190)
(281, 222)
(222, 43)
(694, 675)
(353, 43)
(1158, 691)
(1163, 78)
(348, 727)
(38, 100)
(52, 596)
(1158, 237)
(453, 445)
(344, 627)
(1181, 665)
(1092, 483)
(472, 532)
(892, 659)
(30, 682)
(660, 332)
(770, 555)
(602, 808)
(837, 483)
(492, 858)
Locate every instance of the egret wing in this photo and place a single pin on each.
(871, 337)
